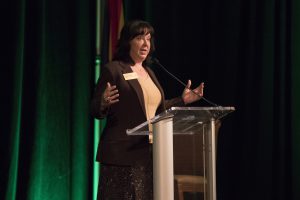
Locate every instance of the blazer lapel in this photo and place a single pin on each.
(136, 87)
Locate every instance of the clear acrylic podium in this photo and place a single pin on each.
(182, 120)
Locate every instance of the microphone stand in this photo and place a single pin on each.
(156, 61)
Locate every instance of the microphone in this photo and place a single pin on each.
(156, 61)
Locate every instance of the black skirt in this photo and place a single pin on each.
(126, 182)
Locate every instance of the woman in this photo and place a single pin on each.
(128, 94)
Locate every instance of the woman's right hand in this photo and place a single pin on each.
(110, 95)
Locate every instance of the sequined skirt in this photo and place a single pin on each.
(126, 182)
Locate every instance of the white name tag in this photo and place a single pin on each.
(130, 76)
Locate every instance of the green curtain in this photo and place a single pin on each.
(46, 137)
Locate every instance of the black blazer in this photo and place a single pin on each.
(116, 147)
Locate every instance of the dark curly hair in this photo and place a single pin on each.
(130, 30)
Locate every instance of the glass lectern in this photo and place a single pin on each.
(184, 121)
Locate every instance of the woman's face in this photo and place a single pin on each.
(140, 47)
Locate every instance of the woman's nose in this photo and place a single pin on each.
(145, 41)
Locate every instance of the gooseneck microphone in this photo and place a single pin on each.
(156, 61)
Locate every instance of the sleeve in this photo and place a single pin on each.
(97, 110)
(178, 101)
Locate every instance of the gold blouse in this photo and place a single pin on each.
(152, 99)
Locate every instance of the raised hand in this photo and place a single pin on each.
(190, 96)
(110, 95)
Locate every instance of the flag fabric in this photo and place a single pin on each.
(116, 22)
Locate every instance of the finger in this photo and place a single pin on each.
(114, 101)
(112, 87)
(200, 87)
(107, 89)
(113, 92)
(114, 97)
(198, 92)
(189, 83)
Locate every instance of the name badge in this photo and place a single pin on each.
(130, 76)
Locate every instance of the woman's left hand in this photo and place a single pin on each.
(188, 96)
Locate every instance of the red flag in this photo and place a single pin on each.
(116, 22)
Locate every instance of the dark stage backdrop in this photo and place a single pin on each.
(246, 52)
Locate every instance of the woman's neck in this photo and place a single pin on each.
(138, 65)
